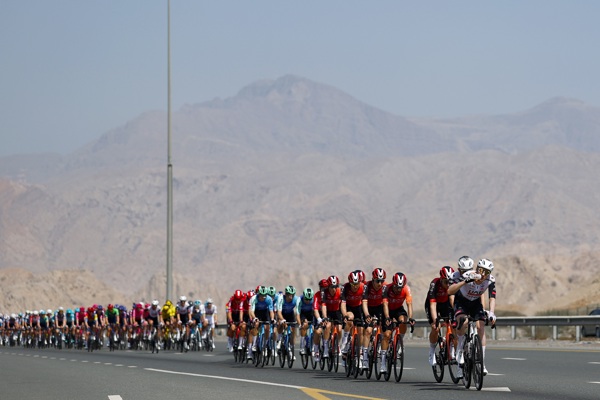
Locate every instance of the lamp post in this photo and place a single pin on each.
(169, 165)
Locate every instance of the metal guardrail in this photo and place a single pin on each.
(550, 321)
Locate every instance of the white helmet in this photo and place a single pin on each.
(49, 311)
(486, 264)
(182, 298)
(154, 302)
(209, 301)
(465, 263)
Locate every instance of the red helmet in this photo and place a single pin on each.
(324, 283)
(110, 307)
(81, 309)
(238, 295)
(363, 277)
(399, 279)
(446, 272)
(333, 281)
(379, 274)
(354, 277)
(250, 293)
(90, 310)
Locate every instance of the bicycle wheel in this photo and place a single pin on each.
(371, 357)
(290, 354)
(356, 355)
(453, 366)
(349, 358)
(467, 366)
(477, 363)
(335, 353)
(398, 359)
(330, 351)
(281, 353)
(271, 351)
(438, 368)
(389, 361)
(322, 359)
(377, 357)
(305, 344)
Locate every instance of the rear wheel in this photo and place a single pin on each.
(377, 358)
(281, 353)
(290, 355)
(335, 353)
(349, 360)
(356, 355)
(467, 366)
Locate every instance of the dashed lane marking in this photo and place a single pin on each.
(514, 359)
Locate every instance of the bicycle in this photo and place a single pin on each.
(286, 351)
(353, 354)
(307, 346)
(395, 353)
(445, 352)
(473, 356)
(261, 355)
(334, 348)
(207, 339)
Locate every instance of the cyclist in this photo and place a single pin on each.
(352, 311)
(211, 318)
(332, 302)
(183, 319)
(261, 310)
(305, 311)
(438, 304)
(287, 312)
(468, 289)
(394, 296)
(372, 305)
(318, 318)
(198, 319)
(235, 315)
(61, 322)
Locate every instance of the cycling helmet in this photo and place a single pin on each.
(61, 309)
(354, 277)
(90, 310)
(111, 307)
(250, 293)
(446, 272)
(49, 311)
(324, 283)
(333, 281)
(379, 274)
(486, 265)
(290, 289)
(362, 275)
(182, 298)
(42, 312)
(155, 302)
(465, 263)
(238, 295)
(122, 308)
(272, 291)
(69, 311)
(139, 306)
(35, 312)
(99, 307)
(263, 291)
(197, 303)
(399, 279)
(209, 301)
(81, 309)
(309, 293)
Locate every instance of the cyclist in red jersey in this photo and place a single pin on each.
(235, 315)
(318, 319)
(394, 296)
(330, 307)
(372, 305)
(438, 304)
(351, 307)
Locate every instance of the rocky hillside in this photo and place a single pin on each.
(291, 180)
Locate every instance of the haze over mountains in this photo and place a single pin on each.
(291, 180)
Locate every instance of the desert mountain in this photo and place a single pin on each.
(291, 180)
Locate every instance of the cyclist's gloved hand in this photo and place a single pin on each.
(471, 276)
(319, 321)
(411, 321)
(491, 317)
(216, 326)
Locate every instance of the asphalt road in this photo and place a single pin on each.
(516, 372)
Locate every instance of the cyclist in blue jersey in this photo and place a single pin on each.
(286, 312)
(305, 312)
(261, 310)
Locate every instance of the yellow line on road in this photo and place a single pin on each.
(319, 394)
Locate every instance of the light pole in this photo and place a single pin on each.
(169, 165)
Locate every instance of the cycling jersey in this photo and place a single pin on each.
(333, 300)
(353, 298)
(472, 291)
(373, 296)
(111, 316)
(395, 299)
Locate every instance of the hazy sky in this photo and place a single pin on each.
(72, 70)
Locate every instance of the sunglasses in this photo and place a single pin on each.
(379, 280)
(483, 271)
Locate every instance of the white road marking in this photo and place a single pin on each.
(224, 378)
(114, 397)
(594, 362)
(595, 382)
(495, 389)
(490, 374)
(515, 359)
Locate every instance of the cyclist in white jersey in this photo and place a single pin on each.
(468, 287)
(210, 315)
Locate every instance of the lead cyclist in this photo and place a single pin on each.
(468, 288)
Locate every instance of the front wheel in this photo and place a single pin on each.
(477, 363)
(453, 366)
(398, 359)
(467, 365)
(290, 355)
(438, 368)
